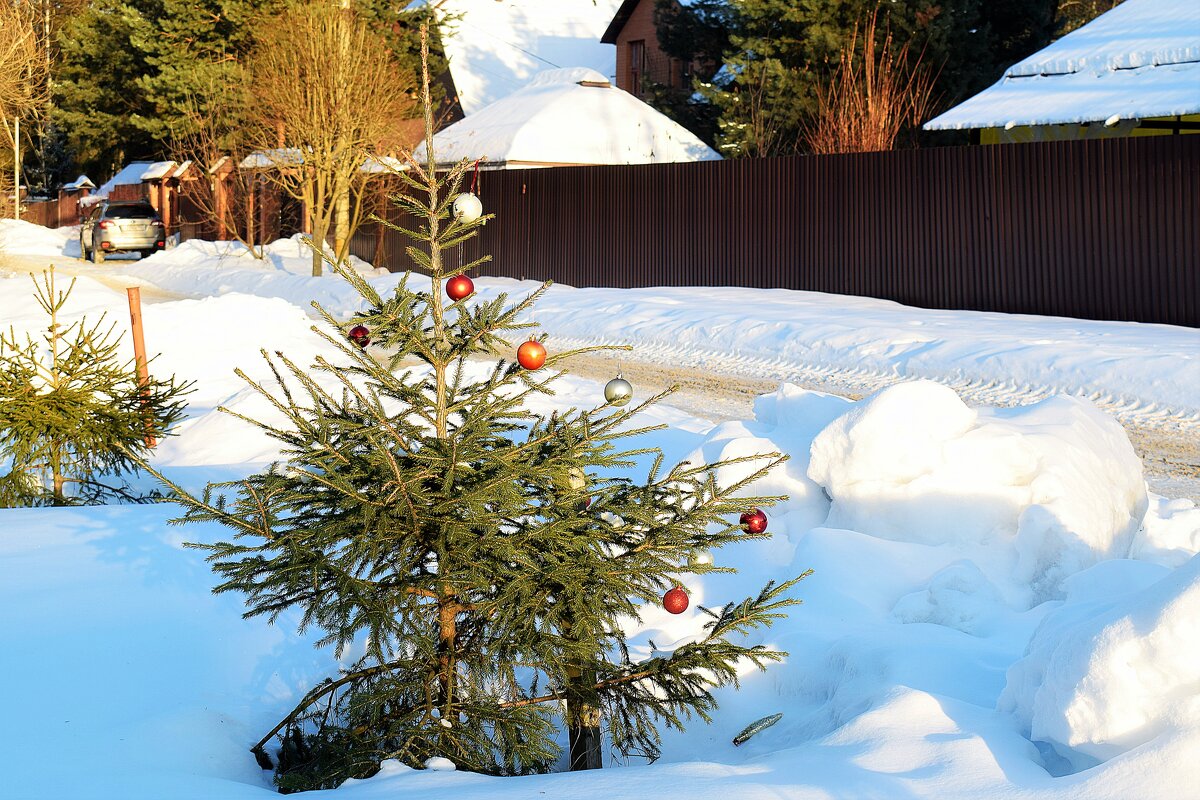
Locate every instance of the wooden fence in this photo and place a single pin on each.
(56, 213)
(1106, 229)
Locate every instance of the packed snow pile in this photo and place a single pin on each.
(198, 267)
(1116, 666)
(26, 239)
(1056, 486)
(262, 324)
(1171, 533)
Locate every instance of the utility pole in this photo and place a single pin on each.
(17, 168)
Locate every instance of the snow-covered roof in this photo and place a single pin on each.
(569, 116)
(130, 174)
(1139, 60)
(270, 159)
(384, 164)
(497, 46)
(82, 182)
(159, 170)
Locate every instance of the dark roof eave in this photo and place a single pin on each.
(618, 22)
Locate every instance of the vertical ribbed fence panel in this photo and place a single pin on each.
(1092, 229)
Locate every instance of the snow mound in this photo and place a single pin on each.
(1103, 676)
(1056, 484)
(24, 238)
(1170, 534)
(207, 339)
(959, 596)
(199, 268)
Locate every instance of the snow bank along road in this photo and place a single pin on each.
(721, 387)
(16, 262)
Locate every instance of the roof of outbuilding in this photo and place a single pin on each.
(1139, 60)
(568, 117)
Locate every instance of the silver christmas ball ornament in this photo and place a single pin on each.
(618, 391)
(467, 207)
(576, 478)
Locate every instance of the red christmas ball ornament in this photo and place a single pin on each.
(676, 600)
(531, 355)
(754, 520)
(459, 286)
(360, 335)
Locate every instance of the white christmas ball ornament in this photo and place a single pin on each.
(618, 391)
(467, 207)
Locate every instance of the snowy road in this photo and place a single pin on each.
(65, 265)
(722, 389)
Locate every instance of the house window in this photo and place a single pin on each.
(679, 74)
(637, 66)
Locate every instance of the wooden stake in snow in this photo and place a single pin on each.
(139, 352)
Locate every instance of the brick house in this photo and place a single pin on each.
(639, 57)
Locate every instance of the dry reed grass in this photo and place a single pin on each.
(872, 97)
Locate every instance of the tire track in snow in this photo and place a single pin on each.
(859, 381)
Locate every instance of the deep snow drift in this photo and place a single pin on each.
(998, 608)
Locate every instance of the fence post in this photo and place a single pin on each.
(139, 355)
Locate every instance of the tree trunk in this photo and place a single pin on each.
(583, 725)
(448, 625)
(341, 220)
(320, 231)
(56, 471)
(317, 263)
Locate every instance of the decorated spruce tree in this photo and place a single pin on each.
(484, 561)
(75, 417)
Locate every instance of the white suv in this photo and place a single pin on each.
(120, 227)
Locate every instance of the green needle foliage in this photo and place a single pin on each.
(74, 418)
(484, 560)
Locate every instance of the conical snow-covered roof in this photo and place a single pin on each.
(568, 117)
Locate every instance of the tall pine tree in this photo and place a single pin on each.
(192, 50)
(97, 96)
(486, 559)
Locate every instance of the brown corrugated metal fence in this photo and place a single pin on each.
(1094, 229)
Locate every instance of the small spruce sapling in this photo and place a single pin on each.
(482, 559)
(74, 416)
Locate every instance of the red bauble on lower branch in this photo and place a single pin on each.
(459, 286)
(531, 355)
(360, 335)
(754, 520)
(676, 600)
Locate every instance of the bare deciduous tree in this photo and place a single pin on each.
(23, 85)
(216, 145)
(325, 92)
(872, 96)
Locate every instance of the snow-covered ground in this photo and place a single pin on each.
(999, 608)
